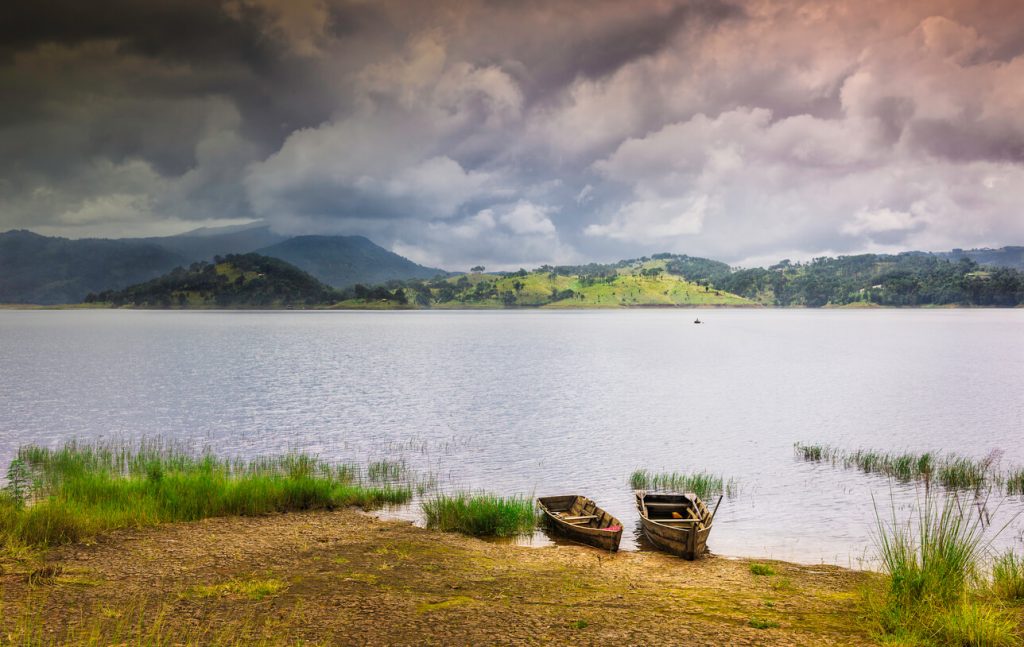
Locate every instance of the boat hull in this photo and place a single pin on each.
(677, 537)
(601, 534)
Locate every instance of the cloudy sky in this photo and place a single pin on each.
(514, 132)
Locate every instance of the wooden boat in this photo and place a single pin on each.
(579, 519)
(676, 523)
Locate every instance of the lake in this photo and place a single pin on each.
(549, 402)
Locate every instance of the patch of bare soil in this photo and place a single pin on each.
(348, 578)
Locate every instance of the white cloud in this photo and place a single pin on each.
(528, 218)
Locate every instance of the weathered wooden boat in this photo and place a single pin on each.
(579, 519)
(676, 523)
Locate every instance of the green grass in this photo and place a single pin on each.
(254, 589)
(935, 593)
(703, 484)
(1014, 482)
(762, 623)
(951, 471)
(762, 569)
(78, 491)
(1008, 577)
(480, 514)
(384, 471)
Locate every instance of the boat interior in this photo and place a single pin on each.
(676, 510)
(578, 511)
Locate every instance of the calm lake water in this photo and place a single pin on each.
(550, 402)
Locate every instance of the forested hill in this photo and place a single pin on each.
(234, 281)
(50, 270)
(910, 279)
(43, 269)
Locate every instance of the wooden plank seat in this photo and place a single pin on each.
(582, 517)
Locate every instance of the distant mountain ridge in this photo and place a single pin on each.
(45, 270)
(51, 270)
(1010, 256)
(344, 261)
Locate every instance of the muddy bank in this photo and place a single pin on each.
(345, 577)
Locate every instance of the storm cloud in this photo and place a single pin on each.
(520, 133)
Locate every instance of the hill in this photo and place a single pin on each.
(205, 243)
(235, 281)
(908, 279)
(343, 261)
(45, 270)
(1001, 257)
(647, 282)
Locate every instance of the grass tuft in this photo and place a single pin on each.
(255, 589)
(935, 585)
(480, 514)
(703, 484)
(762, 623)
(762, 569)
(1008, 577)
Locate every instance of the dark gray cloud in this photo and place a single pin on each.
(509, 133)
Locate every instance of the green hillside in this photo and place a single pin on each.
(235, 281)
(645, 282)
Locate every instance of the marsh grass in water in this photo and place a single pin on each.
(936, 591)
(703, 484)
(480, 514)
(80, 490)
(951, 471)
(1014, 482)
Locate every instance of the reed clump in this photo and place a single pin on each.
(78, 490)
(1014, 482)
(480, 514)
(951, 471)
(936, 585)
(703, 484)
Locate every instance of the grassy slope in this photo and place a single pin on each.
(629, 289)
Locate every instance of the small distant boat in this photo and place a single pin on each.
(579, 519)
(697, 320)
(676, 523)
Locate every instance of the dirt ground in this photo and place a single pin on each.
(347, 578)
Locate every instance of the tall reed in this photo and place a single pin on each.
(79, 490)
(951, 471)
(480, 514)
(935, 579)
(703, 484)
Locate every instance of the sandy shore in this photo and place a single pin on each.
(346, 577)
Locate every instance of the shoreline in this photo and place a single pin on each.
(464, 308)
(349, 576)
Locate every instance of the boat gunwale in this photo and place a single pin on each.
(612, 537)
